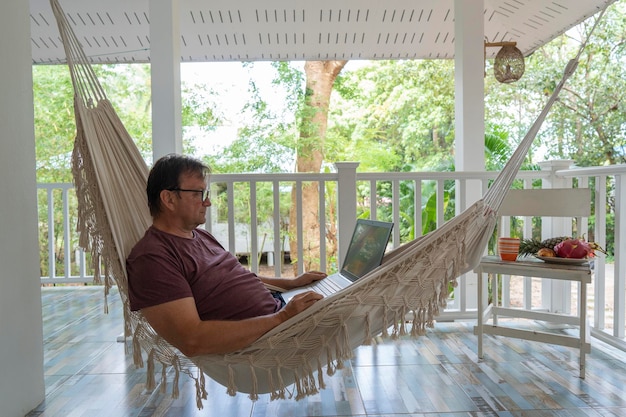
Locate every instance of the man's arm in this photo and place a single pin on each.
(290, 283)
(178, 322)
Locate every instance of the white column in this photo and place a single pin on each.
(165, 70)
(469, 85)
(21, 335)
(469, 111)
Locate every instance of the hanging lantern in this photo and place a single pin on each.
(509, 64)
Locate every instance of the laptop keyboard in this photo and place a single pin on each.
(327, 287)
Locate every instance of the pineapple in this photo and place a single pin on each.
(528, 247)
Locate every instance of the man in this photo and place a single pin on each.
(193, 292)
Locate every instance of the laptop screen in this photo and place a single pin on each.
(367, 248)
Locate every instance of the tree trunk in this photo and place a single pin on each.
(320, 77)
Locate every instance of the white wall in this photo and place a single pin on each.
(21, 336)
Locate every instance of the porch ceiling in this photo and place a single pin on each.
(244, 30)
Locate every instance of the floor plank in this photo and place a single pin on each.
(87, 373)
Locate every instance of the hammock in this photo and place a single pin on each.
(110, 178)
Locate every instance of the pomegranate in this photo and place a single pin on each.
(573, 248)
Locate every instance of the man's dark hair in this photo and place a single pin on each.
(165, 175)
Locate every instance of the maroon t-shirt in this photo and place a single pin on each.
(164, 267)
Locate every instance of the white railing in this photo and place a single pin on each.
(609, 318)
(258, 227)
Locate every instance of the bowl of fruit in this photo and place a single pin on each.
(562, 250)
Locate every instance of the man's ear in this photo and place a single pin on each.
(167, 199)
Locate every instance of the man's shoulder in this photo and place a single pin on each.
(152, 240)
(203, 234)
(155, 240)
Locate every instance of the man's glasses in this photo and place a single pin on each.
(205, 194)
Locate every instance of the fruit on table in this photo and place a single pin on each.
(546, 253)
(530, 247)
(562, 247)
(573, 248)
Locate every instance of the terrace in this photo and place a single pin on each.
(87, 370)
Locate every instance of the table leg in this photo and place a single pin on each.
(582, 305)
(481, 309)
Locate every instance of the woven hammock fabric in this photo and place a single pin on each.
(110, 178)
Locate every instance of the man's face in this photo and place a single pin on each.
(190, 209)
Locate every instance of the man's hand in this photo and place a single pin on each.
(307, 278)
(291, 283)
(300, 302)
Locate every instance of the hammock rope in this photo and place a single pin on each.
(110, 177)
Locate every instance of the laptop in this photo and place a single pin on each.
(365, 252)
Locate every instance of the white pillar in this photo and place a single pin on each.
(165, 72)
(469, 112)
(21, 336)
(469, 85)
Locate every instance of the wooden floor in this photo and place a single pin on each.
(87, 374)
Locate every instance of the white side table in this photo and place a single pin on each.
(530, 267)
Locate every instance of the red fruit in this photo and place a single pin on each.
(573, 248)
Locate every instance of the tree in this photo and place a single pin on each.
(320, 77)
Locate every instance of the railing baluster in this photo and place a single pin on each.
(322, 222)
(373, 200)
(417, 199)
(51, 241)
(299, 225)
(82, 269)
(620, 257)
(599, 317)
(232, 236)
(253, 258)
(67, 242)
(395, 193)
(440, 203)
(278, 242)
(527, 292)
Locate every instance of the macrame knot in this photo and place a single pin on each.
(368, 330)
(254, 393)
(231, 389)
(175, 387)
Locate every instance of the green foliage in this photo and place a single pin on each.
(126, 86)
(401, 108)
(54, 123)
(587, 123)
